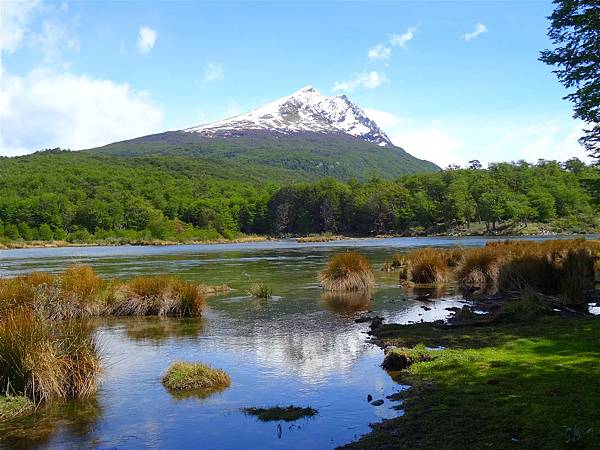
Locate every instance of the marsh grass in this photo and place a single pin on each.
(44, 360)
(428, 266)
(347, 271)
(565, 268)
(158, 296)
(184, 376)
(260, 290)
(287, 414)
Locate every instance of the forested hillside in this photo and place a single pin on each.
(83, 196)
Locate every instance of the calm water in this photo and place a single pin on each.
(301, 348)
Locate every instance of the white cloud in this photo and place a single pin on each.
(383, 119)
(379, 53)
(431, 143)
(146, 39)
(479, 29)
(14, 19)
(213, 71)
(400, 40)
(52, 40)
(367, 80)
(45, 109)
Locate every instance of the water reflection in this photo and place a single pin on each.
(158, 329)
(347, 303)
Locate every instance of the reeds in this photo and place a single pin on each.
(555, 267)
(158, 296)
(427, 266)
(347, 271)
(79, 292)
(184, 376)
(43, 360)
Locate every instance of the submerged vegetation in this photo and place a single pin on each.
(347, 271)
(287, 414)
(184, 376)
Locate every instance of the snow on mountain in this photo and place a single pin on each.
(304, 110)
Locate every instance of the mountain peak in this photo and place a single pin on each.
(306, 110)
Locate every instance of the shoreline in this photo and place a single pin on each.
(310, 239)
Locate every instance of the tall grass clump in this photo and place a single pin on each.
(347, 271)
(44, 360)
(556, 267)
(427, 266)
(184, 376)
(260, 290)
(158, 296)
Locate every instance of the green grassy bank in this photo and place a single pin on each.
(530, 385)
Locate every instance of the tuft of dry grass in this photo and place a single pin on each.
(428, 266)
(44, 360)
(347, 271)
(184, 376)
(158, 296)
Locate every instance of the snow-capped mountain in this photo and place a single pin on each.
(306, 110)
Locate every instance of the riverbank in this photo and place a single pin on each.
(518, 385)
(309, 239)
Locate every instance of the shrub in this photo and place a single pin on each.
(183, 376)
(348, 271)
(260, 290)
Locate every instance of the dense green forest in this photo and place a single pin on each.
(82, 196)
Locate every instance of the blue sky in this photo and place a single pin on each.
(448, 81)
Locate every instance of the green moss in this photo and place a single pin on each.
(11, 407)
(287, 414)
(520, 385)
(183, 376)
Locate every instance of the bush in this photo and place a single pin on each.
(348, 271)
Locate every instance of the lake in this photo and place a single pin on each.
(301, 347)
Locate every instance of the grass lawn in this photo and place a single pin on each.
(517, 386)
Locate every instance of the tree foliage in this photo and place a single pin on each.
(575, 32)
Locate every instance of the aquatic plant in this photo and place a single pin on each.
(347, 271)
(260, 290)
(287, 414)
(184, 376)
(160, 296)
(43, 360)
(427, 266)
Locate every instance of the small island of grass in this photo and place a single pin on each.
(287, 414)
(184, 376)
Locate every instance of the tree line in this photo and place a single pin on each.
(60, 195)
